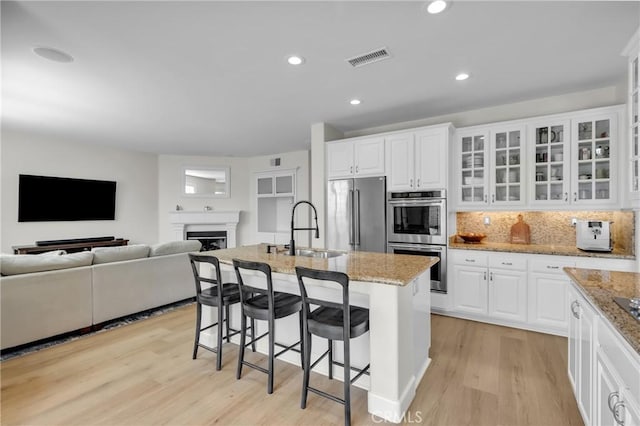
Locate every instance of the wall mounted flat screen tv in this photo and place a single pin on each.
(47, 199)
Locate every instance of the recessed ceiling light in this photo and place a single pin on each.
(295, 60)
(436, 6)
(462, 76)
(52, 54)
(355, 102)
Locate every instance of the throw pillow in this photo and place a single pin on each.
(174, 247)
(120, 253)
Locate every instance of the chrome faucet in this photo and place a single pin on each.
(292, 243)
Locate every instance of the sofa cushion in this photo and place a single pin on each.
(120, 253)
(175, 247)
(15, 264)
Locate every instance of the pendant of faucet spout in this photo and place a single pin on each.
(292, 243)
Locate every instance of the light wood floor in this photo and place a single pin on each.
(142, 374)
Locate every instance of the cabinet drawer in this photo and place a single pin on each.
(627, 366)
(508, 262)
(469, 257)
(551, 266)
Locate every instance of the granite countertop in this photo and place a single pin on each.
(393, 269)
(539, 249)
(600, 287)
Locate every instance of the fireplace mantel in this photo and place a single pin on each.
(186, 221)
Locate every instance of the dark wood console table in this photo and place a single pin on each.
(69, 248)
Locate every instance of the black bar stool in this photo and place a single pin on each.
(266, 305)
(333, 321)
(216, 295)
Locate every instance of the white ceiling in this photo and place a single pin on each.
(211, 77)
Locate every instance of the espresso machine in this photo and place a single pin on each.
(593, 235)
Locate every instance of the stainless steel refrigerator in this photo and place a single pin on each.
(356, 214)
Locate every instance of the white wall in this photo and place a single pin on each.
(136, 193)
(170, 191)
(320, 133)
(170, 168)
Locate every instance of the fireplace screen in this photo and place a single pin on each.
(211, 240)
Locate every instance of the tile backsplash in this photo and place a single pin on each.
(549, 228)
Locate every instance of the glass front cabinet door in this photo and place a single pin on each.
(633, 120)
(549, 160)
(632, 51)
(474, 168)
(507, 176)
(593, 159)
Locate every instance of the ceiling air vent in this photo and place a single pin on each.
(369, 57)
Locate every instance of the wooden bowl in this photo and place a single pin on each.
(472, 238)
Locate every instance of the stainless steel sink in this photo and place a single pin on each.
(322, 254)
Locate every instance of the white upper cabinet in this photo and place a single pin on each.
(472, 163)
(549, 162)
(355, 158)
(401, 158)
(632, 51)
(431, 148)
(555, 161)
(339, 159)
(491, 165)
(507, 171)
(593, 159)
(418, 160)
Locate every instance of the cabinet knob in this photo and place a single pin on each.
(356, 169)
(418, 185)
(575, 197)
(493, 198)
(566, 197)
(485, 276)
(485, 198)
(351, 169)
(411, 183)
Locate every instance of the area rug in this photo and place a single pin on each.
(38, 346)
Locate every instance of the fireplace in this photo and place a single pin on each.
(216, 229)
(211, 240)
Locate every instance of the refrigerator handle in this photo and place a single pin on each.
(350, 214)
(356, 216)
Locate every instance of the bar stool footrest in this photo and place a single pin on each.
(326, 395)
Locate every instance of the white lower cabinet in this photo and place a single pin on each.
(581, 353)
(507, 294)
(547, 294)
(516, 289)
(603, 369)
(615, 403)
(494, 287)
(471, 289)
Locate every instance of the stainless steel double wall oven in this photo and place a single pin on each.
(417, 225)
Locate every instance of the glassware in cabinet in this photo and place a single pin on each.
(506, 182)
(592, 159)
(473, 165)
(550, 161)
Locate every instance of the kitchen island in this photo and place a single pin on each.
(395, 289)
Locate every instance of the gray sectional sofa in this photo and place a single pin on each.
(54, 293)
